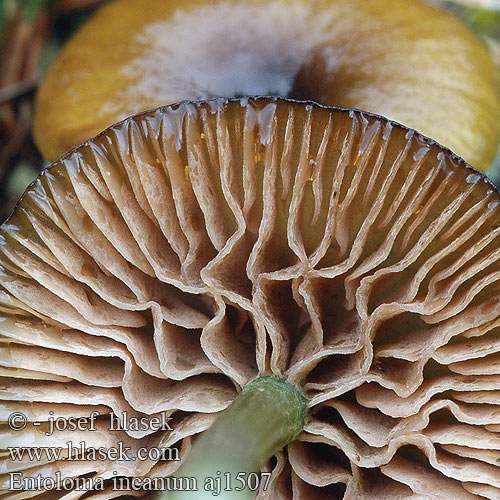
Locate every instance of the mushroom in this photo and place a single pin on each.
(162, 267)
(402, 59)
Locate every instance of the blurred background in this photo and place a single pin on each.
(33, 31)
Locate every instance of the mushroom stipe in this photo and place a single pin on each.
(162, 266)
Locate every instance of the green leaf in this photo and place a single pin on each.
(31, 8)
(23, 174)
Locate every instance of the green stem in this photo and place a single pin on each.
(265, 417)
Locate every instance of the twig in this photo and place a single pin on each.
(18, 89)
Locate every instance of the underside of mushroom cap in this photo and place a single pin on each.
(161, 266)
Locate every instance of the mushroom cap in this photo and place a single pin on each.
(402, 59)
(161, 266)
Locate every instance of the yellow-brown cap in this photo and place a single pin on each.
(402, 59)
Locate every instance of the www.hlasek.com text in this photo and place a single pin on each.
(80, 451)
